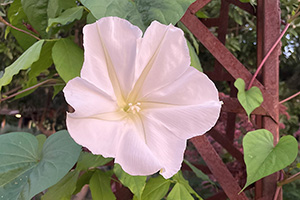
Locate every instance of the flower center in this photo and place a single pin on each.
(132, 108)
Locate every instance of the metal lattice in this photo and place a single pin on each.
(228, 68)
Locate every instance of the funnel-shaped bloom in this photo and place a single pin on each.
(138, 100)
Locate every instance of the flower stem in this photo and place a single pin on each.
(8, 24)
(289, 98)
(289, 180)
(27, 89)
(278, 189)
(268, 54)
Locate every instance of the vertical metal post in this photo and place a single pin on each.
(268, 30)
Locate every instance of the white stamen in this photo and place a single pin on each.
(134, 108)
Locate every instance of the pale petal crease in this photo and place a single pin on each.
(87, 99)
(192, 87)
(133, 154)
(185, 121)
(110, 51)
(99, 136)
(163, 56)
(166, 146)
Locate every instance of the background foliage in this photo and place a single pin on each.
(48, 64)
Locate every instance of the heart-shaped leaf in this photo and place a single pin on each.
(64, 189)
(23, 62)
(262, 158)
(66, 17)
(179, 192)
(179, 189)
(100, 186)
(68, 59)
(135, 183)
(83, 180)
(87, 160)
(249, 99)
(36, 11)
(198, 172)
(156, 188)
(24, 171)
(139, 12)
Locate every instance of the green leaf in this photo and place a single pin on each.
(55, 7)
(36, 12)
(18, 18)
(66, 17)
(68, 59)
(29, 83)
(43, 63)
(64, 189)
(41, 138)
(201, 14)
(237, 17)
(57, 88)
(100, 186)
(90, 18)
(23, 62)
(140, 12)
(83, 180)
(179, 192)
(198, 172)
(262, 158)
(24, 173)
(180, 179)
(195, 62)
(189, 36)
(87, 160)
(156, 188)
(250, 99)
(136, 184)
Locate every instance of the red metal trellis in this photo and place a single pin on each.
(267, 13)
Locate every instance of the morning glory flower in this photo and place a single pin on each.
(137, 98)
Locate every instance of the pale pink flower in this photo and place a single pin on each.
(138, 100)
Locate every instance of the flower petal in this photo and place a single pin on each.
(133, 154)
(87, 99)
(99, 136)
(166, 147)
(184, 121)
(163, 56)
(192, 87)
(110, 52)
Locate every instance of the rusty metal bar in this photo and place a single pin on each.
(271, 68)
(223, 55)
(210, 22)
(233, 105)
(225, 76)
(218, 168)
(269, 25)
(227, 144)
(203, 168)
(244, 6)
(231, 117)
(197, 5)
(219, 196)
(222, 32)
